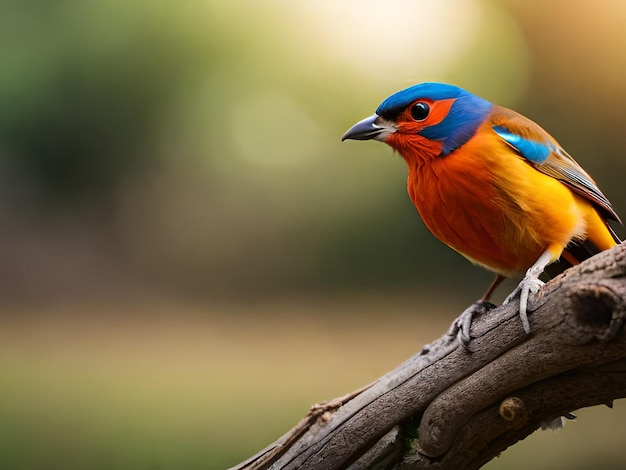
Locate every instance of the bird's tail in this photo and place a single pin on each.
(578, 251)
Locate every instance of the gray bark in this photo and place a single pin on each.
(455, 407)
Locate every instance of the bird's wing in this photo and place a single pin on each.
(542, 151)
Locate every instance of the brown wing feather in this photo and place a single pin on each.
(559, 165)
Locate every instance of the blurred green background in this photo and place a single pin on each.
(190, 258)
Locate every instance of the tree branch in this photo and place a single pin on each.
(450, 407)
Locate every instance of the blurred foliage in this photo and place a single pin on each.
(194, 146)
(85, 87)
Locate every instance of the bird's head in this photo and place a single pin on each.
(431, 118)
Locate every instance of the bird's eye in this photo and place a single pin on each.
(419, 111)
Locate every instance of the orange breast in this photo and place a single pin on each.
(490, 205)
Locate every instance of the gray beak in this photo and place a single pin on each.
(373, 127)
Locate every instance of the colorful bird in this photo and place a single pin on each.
(492, 185)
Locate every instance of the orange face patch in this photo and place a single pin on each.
(439, 109)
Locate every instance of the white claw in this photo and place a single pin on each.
(463, 324)
(529, 285)
(460, 328)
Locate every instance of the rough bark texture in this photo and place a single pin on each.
(450, 407)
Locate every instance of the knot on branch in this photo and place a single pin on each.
(513, 410)
(597, 312)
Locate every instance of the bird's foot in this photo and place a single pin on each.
(460, 328)
(529, 285)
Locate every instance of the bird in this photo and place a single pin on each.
(492, 185)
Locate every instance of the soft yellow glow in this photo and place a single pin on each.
(395, 35)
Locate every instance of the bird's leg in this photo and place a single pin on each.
(495, 283)
(530, 284)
